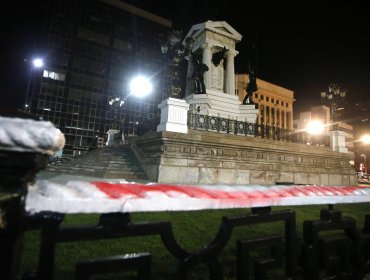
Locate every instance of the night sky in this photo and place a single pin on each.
(302, 48)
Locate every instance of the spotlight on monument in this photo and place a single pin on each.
(140, 86)
(315, 127)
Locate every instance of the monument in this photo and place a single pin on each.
(210, 79)
(213, 49)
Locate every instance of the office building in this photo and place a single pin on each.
(91, 50)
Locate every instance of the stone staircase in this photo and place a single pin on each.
(110, 162)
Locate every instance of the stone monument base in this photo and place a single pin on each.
(201, 157)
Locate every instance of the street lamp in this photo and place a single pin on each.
(314, 128)
(334, 99)
(140, 87)
(365, 166)
(36, 63)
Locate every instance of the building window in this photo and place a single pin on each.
(267, 98)
(54, 75)
(256, 95)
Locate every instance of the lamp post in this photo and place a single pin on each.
(141, 87)
(364, 166)
(333, 99)
(36, 63)
(174, 53)
(365, 139)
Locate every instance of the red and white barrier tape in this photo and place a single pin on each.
(104, 197)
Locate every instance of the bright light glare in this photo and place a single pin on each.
(315, 127)
(365, 139)
(140, 86)
(37, 62)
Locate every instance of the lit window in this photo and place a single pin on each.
(54, 75)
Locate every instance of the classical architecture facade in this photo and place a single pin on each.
(274, 103)
(91, 50)
(213, 50)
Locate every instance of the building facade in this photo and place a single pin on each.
(91, 50)
(274, 103)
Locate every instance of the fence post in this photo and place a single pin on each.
(22, 154)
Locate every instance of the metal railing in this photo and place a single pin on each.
(233, 126)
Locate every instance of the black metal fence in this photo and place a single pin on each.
(232, 126)
(343, 254)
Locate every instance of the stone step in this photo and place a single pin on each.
(108, 162)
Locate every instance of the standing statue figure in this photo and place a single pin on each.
(198, 76)
(250, 88)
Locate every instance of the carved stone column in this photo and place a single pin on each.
(230, 72)
(207, 57)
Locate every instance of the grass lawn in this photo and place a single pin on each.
(193, 230)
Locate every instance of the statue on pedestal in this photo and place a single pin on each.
(198, 76)
(251, 87)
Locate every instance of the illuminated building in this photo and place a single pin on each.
(91, 50)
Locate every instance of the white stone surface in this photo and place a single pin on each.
(105, 197)
(26, 135)
(111, 133)
(226, 106)
(174, 115)
(209, 38)
(338, 141)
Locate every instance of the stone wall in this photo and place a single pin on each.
(201, 157)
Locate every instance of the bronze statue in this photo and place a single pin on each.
(250, 88)
(218, 56)
(198, 76)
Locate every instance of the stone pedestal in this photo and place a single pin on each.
(174, 115)
(338, 141)
(111, 133)
(224, 105)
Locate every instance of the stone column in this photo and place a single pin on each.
(230, 72)
(206, 59)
